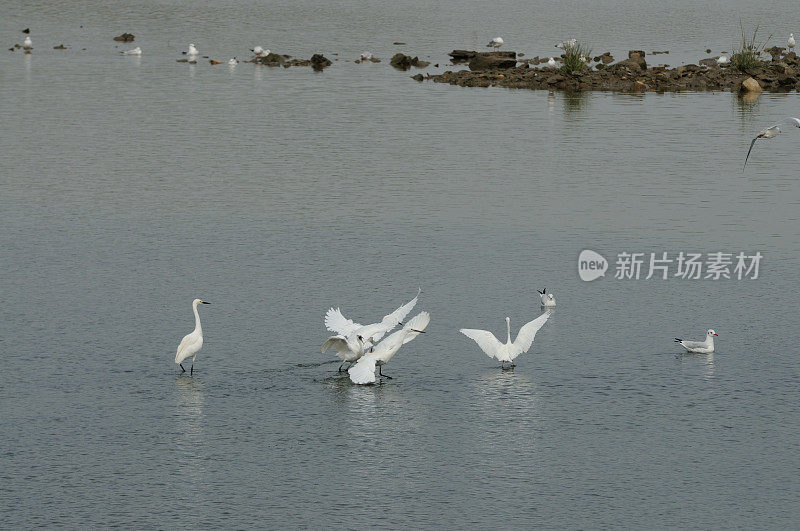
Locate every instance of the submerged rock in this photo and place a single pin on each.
(60, 47)
(125, 37)
(319, 61)
(404, 62)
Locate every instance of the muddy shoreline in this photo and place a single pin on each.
(508, 69)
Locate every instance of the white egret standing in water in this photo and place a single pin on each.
(191, 343)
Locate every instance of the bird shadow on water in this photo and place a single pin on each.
(689, 360)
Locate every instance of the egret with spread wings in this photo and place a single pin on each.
(507, 352)
(363, 372)
(353, 339)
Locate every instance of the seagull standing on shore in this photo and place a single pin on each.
(771, 132)
(791, 41)
(723, 60)
(551, 63)
(507, 352)
(27, 44)
(699, 347)
(495, 43)
(135, 51)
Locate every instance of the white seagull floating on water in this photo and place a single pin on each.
(191, 343)
(363, 372)
(548, 301)
(233, 62)
(771, 132)
(366, 56)
(510, 350)
(27, 44)
(495, 43)
(700, 347)
(135, 51)
(352, 339)
(192, 50)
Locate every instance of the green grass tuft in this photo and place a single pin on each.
(574, 55)
(748, 55)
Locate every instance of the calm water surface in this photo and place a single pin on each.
(130, 186)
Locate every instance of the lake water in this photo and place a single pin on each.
(130, 186)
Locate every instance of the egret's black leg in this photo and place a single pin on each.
(383, 375)
(191, 371)
(340, 367)
(182, 369)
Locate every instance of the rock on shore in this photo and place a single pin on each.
(633, 74)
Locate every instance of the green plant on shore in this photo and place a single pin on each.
(748, 54)
(576, 57)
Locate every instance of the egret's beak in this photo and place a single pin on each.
(204, 302)
(419, 331)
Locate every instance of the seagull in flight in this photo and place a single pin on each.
(772, 132)
(700, 347)
(508, 351)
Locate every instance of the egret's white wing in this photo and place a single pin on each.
(419, 322)
(337, 343)
(185, 348)
(485, 339)
(363, 372)
(528, 332)
(391, 344)
(336, 322)
(397, 316)
(377, 330)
